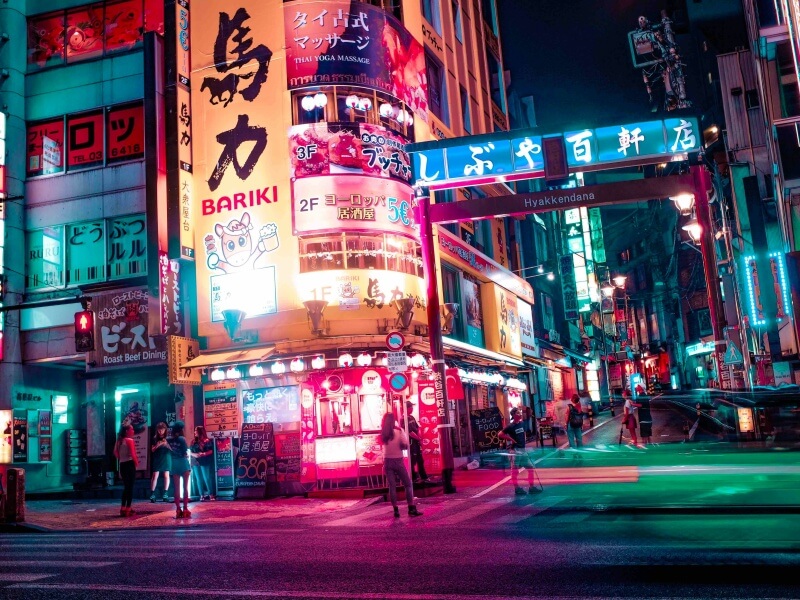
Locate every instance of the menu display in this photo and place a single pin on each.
(221, 410)
(223, 453)
(369, 450)
(255, 464)
(429, 427)
(288, 456)
(486, 426)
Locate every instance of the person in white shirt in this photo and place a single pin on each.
(629, 415)
(395, 441)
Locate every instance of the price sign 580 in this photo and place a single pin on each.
(251, 468)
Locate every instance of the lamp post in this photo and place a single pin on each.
(607, 291)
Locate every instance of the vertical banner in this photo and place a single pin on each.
(308, 458)
(45, 428)
(169, 290)
(184, 128)
(20, 436)
(569, 289)
(6, 437)
(471, 301)
(428, 427)
(136, 413)
(223, 459)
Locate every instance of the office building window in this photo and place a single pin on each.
(432, 11)
(465, 111)
(498, 85)
(459, 29)
(437, 89)
(489, 13)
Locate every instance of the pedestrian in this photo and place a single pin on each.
(125, 451)
(202, 450)
(515, 433)
(415, 451)
(574, 423)
(180, 469)
(629, 415)
(161, 461)
(394, 442)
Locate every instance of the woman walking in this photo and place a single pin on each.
(202, 450)
(180, 469)
(161, 461)
(394, 442)
(125, 451)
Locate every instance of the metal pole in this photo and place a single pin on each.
(605, 350)
(445, 427)
(702, 184)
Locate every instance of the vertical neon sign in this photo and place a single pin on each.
(3, 195)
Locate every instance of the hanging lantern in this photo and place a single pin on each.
(307, 103)
(351, 101)
(418, 361)
(297, 365)
(278, 368)
(318, 362)
(345, 360)
(386, 110)
(217, 375)
(256, 370)
(320, 100)
(364, 360)
(365, 104)
(233, 373)
(409, 119)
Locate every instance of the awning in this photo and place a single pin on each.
(577, 355)
(481, 353)
(229, 357)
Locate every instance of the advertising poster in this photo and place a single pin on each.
(255, 464)
(121, 335)
(223, 453)
(6, 439)
(347, 148)
(20, 436)
(428, 427)
(245, 255)
(472, 311)
(276, 405)
(221, 409)
(486, 426)
(527, 338)
(330, 42)
(136, 412)
(502, 327)
(308, 436)
(288, 456)
(369, 450)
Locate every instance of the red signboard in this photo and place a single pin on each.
(85, 32)
(333, 42)
(125, 131)
(85, 140)
(428, 427)
(351, 203)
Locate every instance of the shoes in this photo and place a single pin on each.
(203, 498)
(519, 491)
(153, 497)
(534, 490)
(166, 497)
(396, 512)
(212, 498)
(186, 513)
(413, 512)
(131, 512)
(123, 512)
(178, 513)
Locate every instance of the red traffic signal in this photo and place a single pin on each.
(84, 331)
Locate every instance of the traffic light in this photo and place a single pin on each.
(84, 331)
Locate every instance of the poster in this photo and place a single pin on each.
(20, 436)
(471, 301)
(277, 405)
(309, 433)
(136, 412)
(6, 439)
(288, 456)
(486, 426)
(223, 453)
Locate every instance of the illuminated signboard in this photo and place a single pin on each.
(3, 193)
(331, 148)
(352, 202)
(355, 289)
(184, 128)
(502, 320)
(527, 338)
(509, 156)
(331, 42)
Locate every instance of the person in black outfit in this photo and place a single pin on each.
(415, 450)
(515, 433)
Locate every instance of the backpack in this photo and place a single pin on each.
(575, 417)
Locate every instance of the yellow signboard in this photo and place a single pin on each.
(181, 351)
(501, 320)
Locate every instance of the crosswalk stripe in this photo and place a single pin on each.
(83, 564)
(473, 512)
(386, 509)
(15, 577)
(528, 511)
(119, 553)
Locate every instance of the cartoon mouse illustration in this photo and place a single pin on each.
(237, 250)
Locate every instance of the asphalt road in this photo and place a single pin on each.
(466, 546)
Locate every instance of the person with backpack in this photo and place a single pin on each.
(515, 435)
(574, 423)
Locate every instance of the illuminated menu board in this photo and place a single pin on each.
(221, 410)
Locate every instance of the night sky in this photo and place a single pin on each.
(573, 57)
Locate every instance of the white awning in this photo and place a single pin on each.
(229, 357)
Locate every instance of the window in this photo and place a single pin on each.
(371, 408)
(457, 21)
(465, 110)
(91, 31)
(90, 139)
(321, 253)
(86, 252)
(437, 89)
(451, 292)
(489, 13)
(335, 417)
(362, 251)
(787, 79)
(432, 12)
(497, 80)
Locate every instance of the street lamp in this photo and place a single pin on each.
(694, 229)
(684, 202)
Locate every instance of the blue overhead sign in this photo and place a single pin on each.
(511, 155)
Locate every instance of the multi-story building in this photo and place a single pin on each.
(229, 190)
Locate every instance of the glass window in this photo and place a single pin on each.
(125, 133)
(372, 407)
(365, 252)
(321, 253)
(123, 25)
(787, 77)
(86, 252)
(432, 12)
(437, 89)
(127, 246)
(85, 33)
(84, 140)
(403, 256)
(451, 292)
(45, 148)
(498, 85)
(465, 110)
(457, 22)
(489, 13)
(45, 268)
(46, 40)
(335, 417)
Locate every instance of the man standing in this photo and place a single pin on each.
(574, 423)
(419, 473)
(515, 433)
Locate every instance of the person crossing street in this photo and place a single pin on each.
(515, 434)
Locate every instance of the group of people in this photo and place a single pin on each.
(171, 458)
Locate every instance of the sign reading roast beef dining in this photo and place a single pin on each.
(121, 335)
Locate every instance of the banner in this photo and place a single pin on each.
(223, 453)
(329, 42)
(20, 436)
(428, 427)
